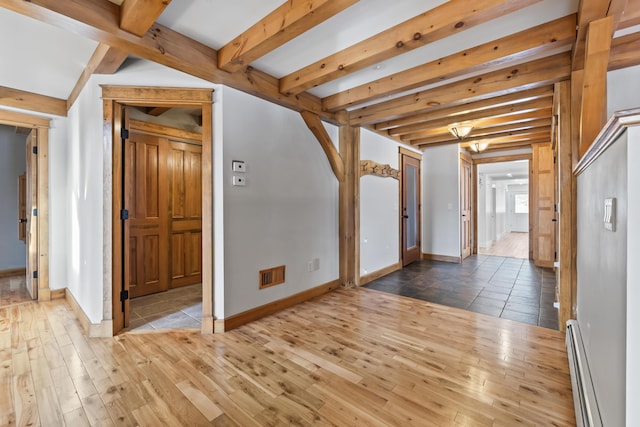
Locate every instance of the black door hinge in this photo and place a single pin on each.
(35, 149)
(124, 295)
(124, 214)
(35, 274)
(124, 133)
(555, 255)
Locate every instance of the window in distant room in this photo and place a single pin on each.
(522, 203)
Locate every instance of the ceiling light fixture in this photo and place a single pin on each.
(460, 130)
(478, 146)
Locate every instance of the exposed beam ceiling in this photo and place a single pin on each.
(502, 84)
(442, 21)
(535, 41)
(280, 26)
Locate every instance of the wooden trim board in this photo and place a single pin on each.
(368, 278)
(444, 258)
(13, 272)
(237, 320)
(59, 293)
(93, 330)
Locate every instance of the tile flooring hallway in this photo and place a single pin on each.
(509, 288)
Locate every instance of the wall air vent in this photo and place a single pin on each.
(271, 277)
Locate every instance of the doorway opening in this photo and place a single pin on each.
(162, 198)
(410, 203)
(162, 240)
(503, 209)
(28, 214)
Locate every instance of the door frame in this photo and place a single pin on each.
(497, 159)
(41, 125)
(466, 158)
(114, 98)
(404, 152)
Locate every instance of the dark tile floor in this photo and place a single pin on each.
(510, 288)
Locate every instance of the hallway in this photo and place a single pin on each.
(508, 288)
(514, 245)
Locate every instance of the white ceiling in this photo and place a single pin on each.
(40, 58)
(518, 169)
(48, 60)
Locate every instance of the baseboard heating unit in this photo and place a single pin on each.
(584, 397)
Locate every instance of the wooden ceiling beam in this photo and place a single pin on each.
(491, 124)
(512, 99)
(285, 23)
(502, 141)
(625, 52)
(631, 15)
(137, 16)
(593, 10)
(99, 20)
(593, 114)
(492, 132)
(445, 20)
(504, 111)
(534, 41)
(32, 101)
(541, 72)
(500, 146)
(105, 60)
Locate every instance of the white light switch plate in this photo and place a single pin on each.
(238, 166)
(239, 181)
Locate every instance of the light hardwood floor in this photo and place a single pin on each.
(351, 357)
(514, 245)
(13, 290)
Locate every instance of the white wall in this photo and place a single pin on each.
(633, 279)
(58, 204)
(602, 278)
(441, 200)
(623, 89)
(288, 211)
(379, 211)
(12, 165)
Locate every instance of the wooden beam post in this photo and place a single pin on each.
(315, 126)
(593, 114)
(567, 213)
(349, 207)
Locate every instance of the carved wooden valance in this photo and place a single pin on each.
(369, 167)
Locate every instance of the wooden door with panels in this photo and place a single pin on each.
(163, 208)
(543, 200)
(185, 212)
(146, 226)
(465, 208)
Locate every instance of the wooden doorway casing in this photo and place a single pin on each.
(114, 99)
(410, 160)
(496, 159)
(39, 246)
